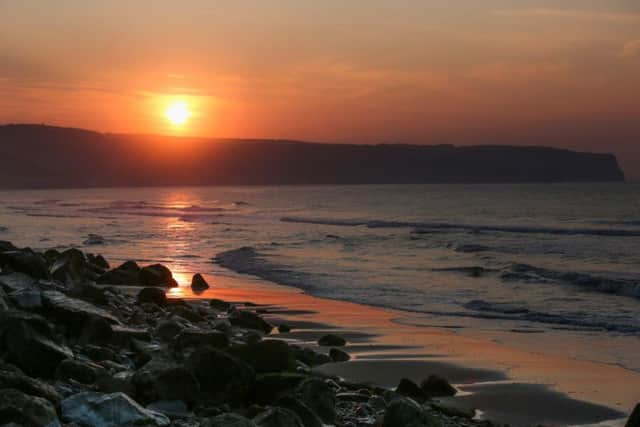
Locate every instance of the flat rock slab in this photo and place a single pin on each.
(75, 309)
(16, 281)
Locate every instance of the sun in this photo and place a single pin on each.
(177, 113)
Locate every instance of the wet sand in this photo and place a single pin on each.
(508, 385)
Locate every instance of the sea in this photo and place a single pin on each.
(531, 265)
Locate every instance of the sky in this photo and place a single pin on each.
(563, 73)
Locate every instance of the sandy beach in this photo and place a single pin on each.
(508, 385)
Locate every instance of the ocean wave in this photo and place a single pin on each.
(519, 229)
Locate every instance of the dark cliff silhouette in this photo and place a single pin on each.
(38, 156)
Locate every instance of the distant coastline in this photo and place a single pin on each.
(40, 156)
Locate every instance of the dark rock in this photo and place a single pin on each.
(83, 372)
(219, 305)
(407, 413)
(13, 282)
(472, 248)
(27, 299)
(100, 354)
(90, 409)
(408, 388)
(310, 357)
(318, 396)
(435, 386)
(30, 411)
(12, 377)
(194, 338)
(73, 312)
(164, 381)
(248, 319)
(98, 261)
(198, 284)
(338, 355)
(229, 420)
(306, 414)
(25, 261)
(69, 266)
(634, 418)
(221, 375)
(270, 387)
(278, 417)
(169, 329)
(332, 340)
(353, 397)
(266, 356)
(122, 382)
(4, 300)
(127, 274)
(152, 295)
(94, 239)
(123, 335)
(91, 293)
(95, 330)
(186, 312)
(157, 275)
(28, 342)
(451, 410)
(283, 329)
(174, 409)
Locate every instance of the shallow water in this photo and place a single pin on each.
(550, 267)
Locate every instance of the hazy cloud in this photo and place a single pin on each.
(631, 49)
(588, 15)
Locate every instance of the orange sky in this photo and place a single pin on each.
(563, 72)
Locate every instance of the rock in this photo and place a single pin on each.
(407, 413)
(100, 354)
(28, 342)
(25, 261)
(127, 274)
(283, 329)
(219, 305)
(98, 261)
(91, 293)
(23, 409)
(152, 295)
(266, 356)
(310, 357)
(338, 355)
(174, 409)
(194, 338)
(198, 284)
(95, 330)
(186, 312)
(435, 386)
(94, 239)
(451, 410)
(318, 396)
(278, 417)
(4, 300)
(270, 387)
(408, 388)
(169, 329)
(229, 420)
(12, 377)
(69, 266)
(331, 340)
(73, 312)
(248, 319)
(27, 299)
(82, 372)
(353, 397)
(634, 418)
(157, 275)
(164, 381)
(90, 409)
(122, 382)
(306, 414)
(13, 282)
(221, 375)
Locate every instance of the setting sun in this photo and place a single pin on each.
(177, 113)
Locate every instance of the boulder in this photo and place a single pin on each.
(28, 342)
(266, 356)
(221, 375)
(174, 409)
(435, 386)
(73, 312)
(310, 357)
(99, 261)
(13, 378)
(82, 372)
(405, 412)
(168, 329)
(69, 267)
(165, 381)
(13, 282)
(229, 420)
(306, 414)
(122, 382)
(190, 338)
(338, 355)
(270, 387)
(452, 410)
(95, 330)
(283, 329)
(408, 388)
(90, 409)
(157, 275)
(152, 295)
(332, 340)
(26, 299)
(89, 292)
(126, 274)
(25, 261)
(249, 319)
(198, 284)
(23, 409)
(187, 312)
(220, 305)
(321, 398)
(634, 418)
(278, 417)
(4, 300)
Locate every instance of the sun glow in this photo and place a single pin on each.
(177, 113)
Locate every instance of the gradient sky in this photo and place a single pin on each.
(563, 72)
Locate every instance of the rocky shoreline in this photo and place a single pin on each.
(83, 344)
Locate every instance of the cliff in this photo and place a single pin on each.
(37, 156)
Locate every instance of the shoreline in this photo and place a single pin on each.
(585, 392)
